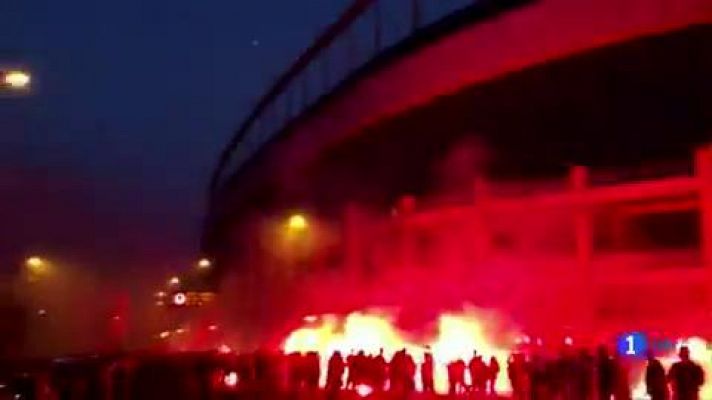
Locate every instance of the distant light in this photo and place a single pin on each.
(180, 331)
(161, 294)
(363, 390)
(230, 379)
(164, 334)
(174, 281)
(116, 318)
(568, 340)
(17, 79)
(34, 262)
(255, 42)
(310, 319)
(539, 342)
(224, 349)
(297, 222)
(179, 299)
(204, 263)
(42, 312)
(213, 327)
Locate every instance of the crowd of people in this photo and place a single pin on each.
(571, 375)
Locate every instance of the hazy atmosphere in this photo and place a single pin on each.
(110, 155)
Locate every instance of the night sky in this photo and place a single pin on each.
(107, 161)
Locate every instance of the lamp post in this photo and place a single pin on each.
(15, 79)
(36, 268)
(297, 223)
(174, 281)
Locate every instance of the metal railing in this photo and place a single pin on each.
(364, 30)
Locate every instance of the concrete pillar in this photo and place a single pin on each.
(583, 236)
(703, 172)
(583, 229)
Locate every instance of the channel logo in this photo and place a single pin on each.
(637, 344)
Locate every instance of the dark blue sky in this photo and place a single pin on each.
(107, 161)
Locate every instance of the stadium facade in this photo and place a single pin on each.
(549, 159)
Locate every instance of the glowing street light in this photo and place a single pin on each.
(297, 222)
(36, 267)
(34, 262)
(180, 299)
(174, 281)
(204, 263)
(16, 79)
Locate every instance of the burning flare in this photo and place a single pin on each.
(456, 337)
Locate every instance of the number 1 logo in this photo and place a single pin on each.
(632, 344)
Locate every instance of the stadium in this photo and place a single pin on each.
(548, 159)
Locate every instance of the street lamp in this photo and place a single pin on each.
(16, 79)
(297, 222)
(34, 262)
(36, 266)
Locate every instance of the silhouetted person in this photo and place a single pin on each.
(350, 375)
(566, 373)
(361, 368)
(394, 369)
(655, 382)
(606, 374)
(380, 371)
(120, 379)
(295, 368)
(518, 375)
(312, 370)
(335, 371)
(456, 377)
(535, 372)
(583, 375)
(408, 371)
(621, 390)
(426, 373)
(478, 373)
(554, 377)
(686, 377)
(492, 373)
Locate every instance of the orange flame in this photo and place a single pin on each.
(457, 336)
